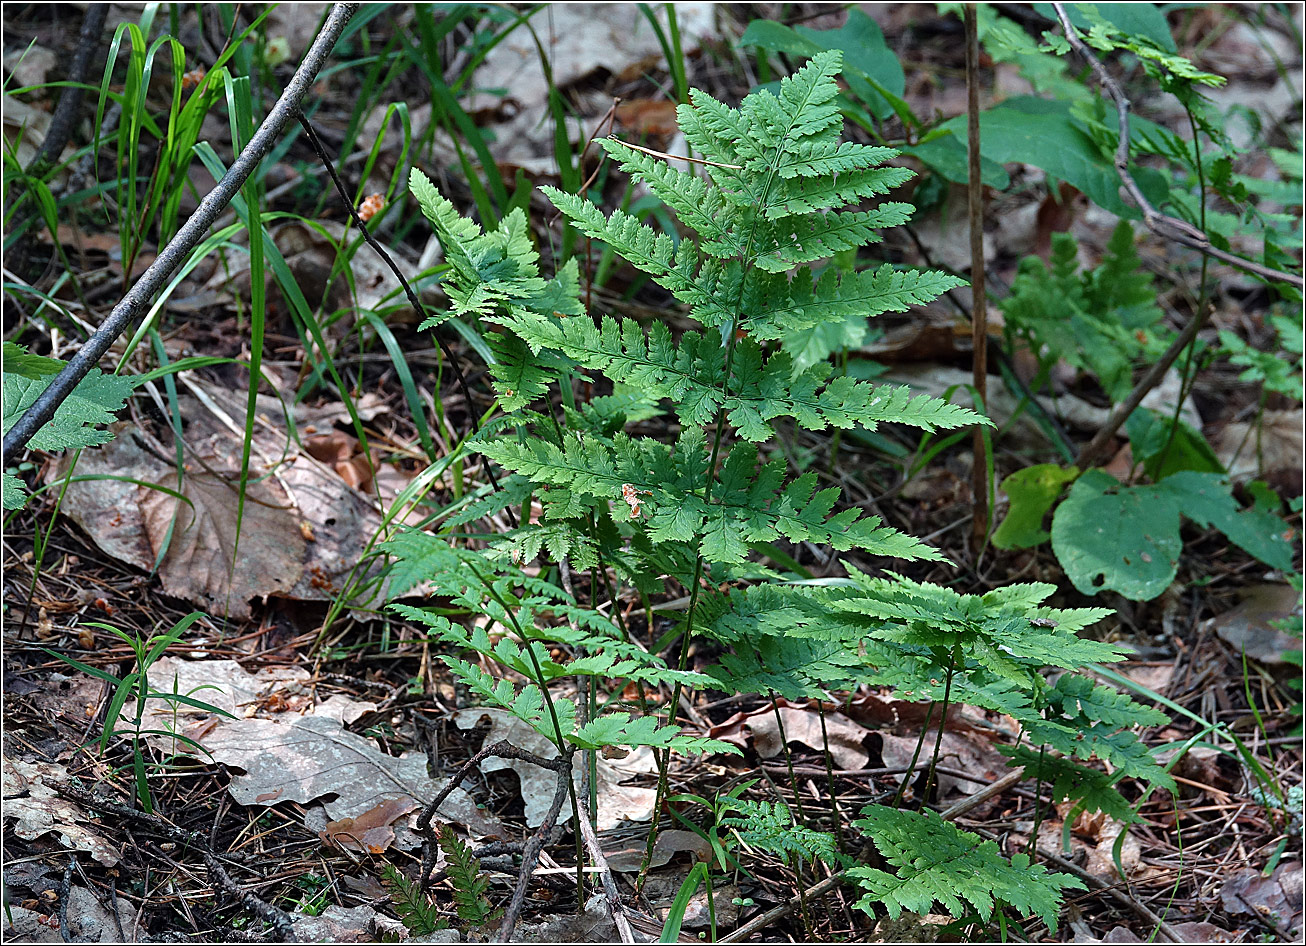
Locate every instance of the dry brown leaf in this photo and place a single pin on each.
(1247, 626)
(1277, 898)
(648, 116)
(304, 530)
(802, 724)
(373, 830)
(37, 809)
(1271, 449)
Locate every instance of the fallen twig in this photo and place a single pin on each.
(615, 906)
(531, 852)
(278, 918)
(142, 293)
(1163, 225)
(502, 749)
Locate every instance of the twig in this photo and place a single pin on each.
(1092, 450)
(1010, 780)
(68, 111)
(1163, 225)
(502, 749)
(531, 852)
(187, 238)
(66, 115)
(783, 910)
(979, 317)
(615, 906)
(271, 914)
(413, 300)
(65, 887)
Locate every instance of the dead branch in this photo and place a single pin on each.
(276, 917)
(170, 258)
(1163, 225)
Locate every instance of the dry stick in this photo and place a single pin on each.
(274, 915)
(139, 297)
(531, 852)
(1170, 228)
(615, 906)
(1092, 451)
(415, 302)
(66, 116)
(504, 750)
(979, 313)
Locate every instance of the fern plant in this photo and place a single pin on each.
(663, 516)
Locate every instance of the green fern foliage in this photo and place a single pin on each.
(469, 886)
(1101, 321)
(77, 422)
(939, 863)
(693, 511)
(417, 912)
(772, 828)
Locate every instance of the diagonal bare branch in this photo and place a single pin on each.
(1163, 225)
(139, 297)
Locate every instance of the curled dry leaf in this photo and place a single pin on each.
(373, 830)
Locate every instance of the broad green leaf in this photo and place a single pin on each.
(1109, 537)
(1032, 492)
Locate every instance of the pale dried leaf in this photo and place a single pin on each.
(617, 802)
(37, 809)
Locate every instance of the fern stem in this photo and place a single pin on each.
(943, 719)
(829, 775)
(789, 758)
(911, 766)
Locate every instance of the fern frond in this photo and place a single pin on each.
(784, 243)
(526, 704)
(1118, 748)
(772, 828)
(621, 729)
(697, 204)
(938, 862)
(790, 305)
(701, 283)
(469, 886)
(415, 910)
(746, 509)
(1068, 781)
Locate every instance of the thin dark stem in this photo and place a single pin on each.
(911, 767)
(789, 758)
(979, 307)
(503, 750)
(413, 300)
(531, 852)
(139, 297)
(1167, 227)
(938, 740)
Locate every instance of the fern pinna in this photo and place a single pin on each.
(662, 517)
